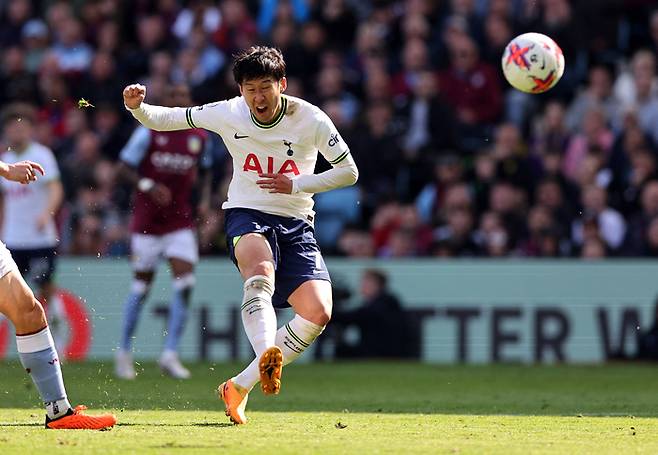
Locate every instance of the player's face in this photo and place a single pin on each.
(263, 96)
(18, 133)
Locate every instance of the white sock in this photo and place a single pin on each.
(293, 339)
(258, 316)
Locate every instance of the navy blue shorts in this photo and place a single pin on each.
(297, 257)
(36, 265)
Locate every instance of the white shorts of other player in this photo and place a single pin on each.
(7, 263)
(147, 250)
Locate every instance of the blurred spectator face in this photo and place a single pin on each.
(464, 55)
(87, 147)
(356, 244)
(234, 12)
(496, 242)
(556, 12)
(401, 243)
(75, 121)
(643, 162)
(593, 249)
(150, 32)
(378, 86)
(71, 33)
(13, 61)
(455, 29)
(330, 82)
(650, 198)
(371, 286)
(462, 7)
(313, 36)
(283, 34)
(104, 175)
(448, 170)
(552, 162)
(589, 168)
(594, 199)
(108, 37)
(593, 123)
(539, 219)
(600, 82)
(501, 8)
(497, 30)
(18, 11)
(334, 109)
(554, 116)
(458, 197)
(508, 140)
(379, 116)
(18, 132)
(485, 166)
(415, 55)
(460, 222)
(368, 38)
(106, 119)
(644, 69)
(415, 26)
(549, 194)
(161, 64)
(503, 198)
(178, 95)
(58, 14)
(102, 66)
(426, 85)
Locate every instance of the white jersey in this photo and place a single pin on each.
(288, 145)
(23, 204)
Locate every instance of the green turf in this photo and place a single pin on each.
(385, 408)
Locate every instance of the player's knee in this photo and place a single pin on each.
(320, 314)
(30, 314)
(261, 268)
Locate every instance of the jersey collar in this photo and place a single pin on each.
(276, 120)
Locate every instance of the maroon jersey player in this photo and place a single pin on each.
(164, 167)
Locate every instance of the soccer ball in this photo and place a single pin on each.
(533, 63)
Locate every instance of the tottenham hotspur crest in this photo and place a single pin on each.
(288, 144)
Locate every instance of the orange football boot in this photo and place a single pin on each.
(270, 366)
(76, 419)
(235, 400)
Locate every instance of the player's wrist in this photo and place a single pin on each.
(145, 184)
(4, 169)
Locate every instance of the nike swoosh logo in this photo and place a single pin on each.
(237, 136)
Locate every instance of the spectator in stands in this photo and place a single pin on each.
(597, 93)
(594, 135)
(635, 241)
(380, 320)
(473, 89)
(598, 220)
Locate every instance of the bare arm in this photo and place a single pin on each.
(23, 172)
(55, 199)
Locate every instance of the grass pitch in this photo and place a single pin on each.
(351, 408)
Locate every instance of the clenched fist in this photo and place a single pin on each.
(133, 95)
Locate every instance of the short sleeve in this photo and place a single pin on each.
(329, 141)
(134, 151)
(49, 163)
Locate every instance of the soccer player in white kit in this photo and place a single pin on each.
(273, 140)
(28, 215)
(35, 344)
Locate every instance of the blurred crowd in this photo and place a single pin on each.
(453, 162)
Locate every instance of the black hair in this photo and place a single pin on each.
(257, 62)
(377, 275)
(18, 111)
